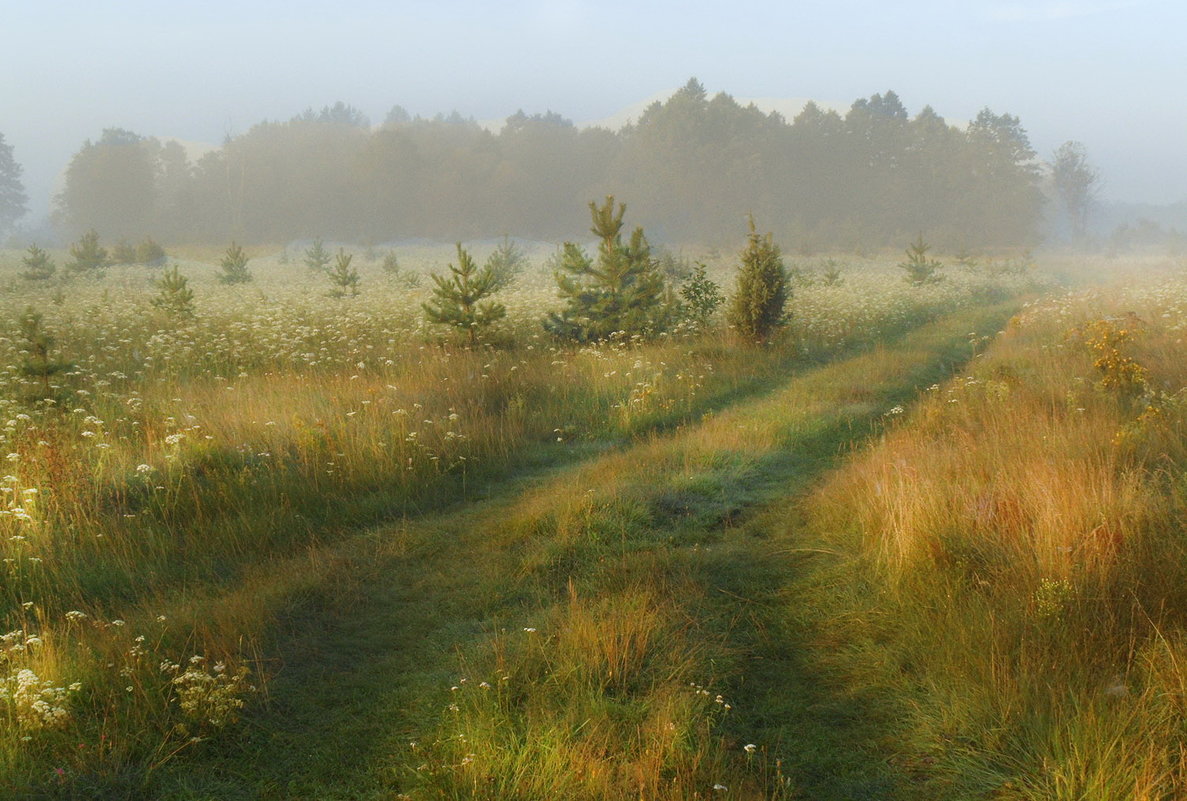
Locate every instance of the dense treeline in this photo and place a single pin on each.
(691, 168)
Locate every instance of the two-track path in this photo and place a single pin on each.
(363, 667)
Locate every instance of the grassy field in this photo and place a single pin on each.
(1005, 569)
(603, 630)
(296, 546)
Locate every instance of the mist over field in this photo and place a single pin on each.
(224, 85)
(558, 401)
(868, 177)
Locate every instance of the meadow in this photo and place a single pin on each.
(1006, 576)
(199, 488)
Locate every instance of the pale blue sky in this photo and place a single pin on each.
(1110, 73)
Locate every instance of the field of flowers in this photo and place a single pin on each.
(154, 462)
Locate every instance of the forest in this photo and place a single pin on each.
(692, 168)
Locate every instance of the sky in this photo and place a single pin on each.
(1108, 73)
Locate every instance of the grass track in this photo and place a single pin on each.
(693, 522)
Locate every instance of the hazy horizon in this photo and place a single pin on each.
(1098, 72)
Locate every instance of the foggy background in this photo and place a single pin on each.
(1108, 74)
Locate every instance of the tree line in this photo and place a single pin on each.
(692, 167)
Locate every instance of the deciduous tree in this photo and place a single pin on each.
(1075, 181)
(13, 200)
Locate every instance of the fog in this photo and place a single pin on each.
(1107, 74)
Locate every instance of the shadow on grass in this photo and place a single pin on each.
(361, 667)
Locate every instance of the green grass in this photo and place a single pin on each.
(656, 578)
(1001, 575)
(193, 480)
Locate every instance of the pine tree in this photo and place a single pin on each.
(37, 362)
(623, 294)
(918, 267)
(344, 277)
(234, 265)
(38, 265)
(830, 273)
(175, 298)
(317, 258)
(391, 264)
(88, 256)
(458, 300)
(506, 262)
(757, 307)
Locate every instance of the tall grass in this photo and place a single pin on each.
(620, 664)
(180, 460)
(1013, 580)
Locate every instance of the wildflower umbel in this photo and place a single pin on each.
(34, 703)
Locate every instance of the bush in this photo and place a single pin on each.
(150, 253)
(700, 298)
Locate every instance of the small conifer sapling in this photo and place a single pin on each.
(149, 253)
(174, 296)
(317, 258)
(918, 267)
(460, 300)
(123, 252)
(757, 307)
(506, 262)
(621, 294)
(234, 266)
(343, 277)
(37, 362)
(38, 265)
(88, 256)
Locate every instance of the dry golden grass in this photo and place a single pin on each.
(1020, 536)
